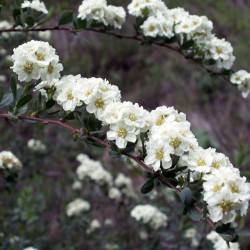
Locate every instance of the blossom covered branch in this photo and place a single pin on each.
(189, 35)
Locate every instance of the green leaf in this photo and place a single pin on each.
(67, 17)
(30, 21)
(80, 24)
(13, 86)
(227, 232)
(148, 186)
(187, 45)
(24, 100)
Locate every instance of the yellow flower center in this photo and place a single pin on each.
(219, 50)
(70, 96)
(151, 28)
(234, 188)
(201, 162)
(50, 69)
(132, 117)
(40, 56)
(122, 132)
(7, 160)
(160, 120)
(99, 103)
(175, 142)
(226, 206)
(28, 67)
(216, 165)
(216, 188)
(159, 154)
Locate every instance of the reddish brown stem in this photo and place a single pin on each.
(99, 141)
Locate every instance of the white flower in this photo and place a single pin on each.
(158, 154)
(125, 185)
(220, 244)
(226, 194)
(221, 52)
(164, 114)
(36, 5)
(92, 10)
(115, 16)
(64, 94)
(36, 60)
(77, 207)
(114, 193)
(177, 14)
(199, 160)
(122, 134)
(139, 8)
(9, 161)
(113, 113)
(158, 26)
(5, 25)
(99, 95)
(45, 35)
(150, 215)
(93, 170)
(242, 79)
(77, 185)
(36, 145)
(94, 225)
(30, 248)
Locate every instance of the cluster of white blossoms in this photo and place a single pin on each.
(30, 248)
(36, 60)
(93, 170)
(36, 145)
(226, 193)
(220, 244)
(166, 133)
(149, 215)
(94, 225)
(241, 78)
(35, 5)
(161, 22)
(9, 161)
(76, 207)
(98, 11)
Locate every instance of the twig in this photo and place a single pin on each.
(99, 141)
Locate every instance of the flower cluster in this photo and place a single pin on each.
(98, 11)
(242, 79)
(166, 134)
(225, 191)
(76, 207)
(9, 161)
(169, 134)
(35, 5)
(36, 146)
(93, 170)
(149, 215)
(36, 60)
(161, 22)
(220, 244)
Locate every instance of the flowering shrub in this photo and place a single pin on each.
(159, 141)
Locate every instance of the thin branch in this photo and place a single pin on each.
(99, 141)
(135, 37)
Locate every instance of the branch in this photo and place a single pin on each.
(74, 131)
(136, 37)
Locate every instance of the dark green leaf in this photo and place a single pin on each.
(67, 17)
(148, 186)
(24, 100)
(80, 24)
(13, 86)
(227, 232)
(30, 21)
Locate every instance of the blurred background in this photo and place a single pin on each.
(148, 75)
